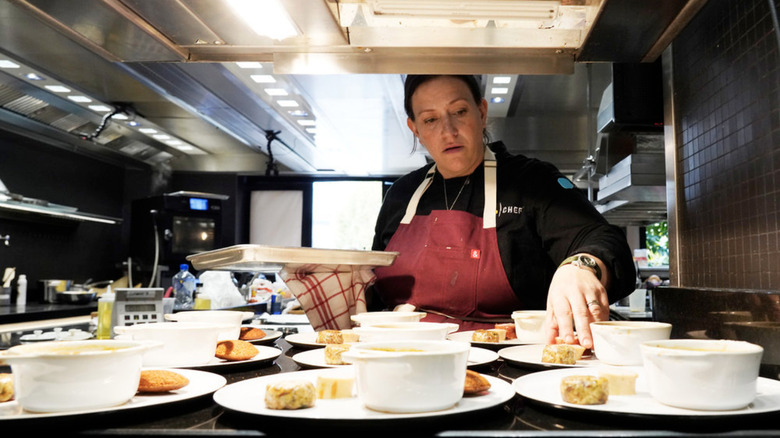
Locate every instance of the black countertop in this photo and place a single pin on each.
(518, 417)
(36, 312)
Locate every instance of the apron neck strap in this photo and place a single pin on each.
(489, 211)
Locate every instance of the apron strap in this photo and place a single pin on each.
(489, 211)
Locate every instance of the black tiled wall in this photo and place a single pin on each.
(727, 94)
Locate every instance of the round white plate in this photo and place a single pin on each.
(270, 336)
(466, 337)
(316, 358)
(530, 356)
(304, 340)
(544, 387)
(264, 354)
(247, 397)
(201, 383)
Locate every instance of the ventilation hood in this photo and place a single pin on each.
(172, 65)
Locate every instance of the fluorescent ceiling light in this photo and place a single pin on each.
(307, 122)
(263, 79)
(80, 99)
(162, 137)
(275, 91)
(4, 63)
(311, 130)
(287, 103)
(148, 130)
(485, 9)
(249, 65)
(185, 147)
(119, 116)
(58, 89)
(298, 113)
(502, 79)
(100, 108)
(497, 100)
(33, 77)
(499, 90)
(265, 17)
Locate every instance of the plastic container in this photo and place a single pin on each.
(202, 300)
(184, 288)
(21, 290)
(105, 308)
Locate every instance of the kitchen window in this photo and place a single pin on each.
(344, 214)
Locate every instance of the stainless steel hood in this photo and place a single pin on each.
(171, 64)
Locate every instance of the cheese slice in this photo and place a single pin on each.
(329, 387)
(620, 382)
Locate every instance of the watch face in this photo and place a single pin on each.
(587, 261)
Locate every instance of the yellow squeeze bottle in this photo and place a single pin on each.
(105, 308)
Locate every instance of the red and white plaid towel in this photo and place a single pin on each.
(329, 298)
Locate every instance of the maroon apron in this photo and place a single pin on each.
(449, 264)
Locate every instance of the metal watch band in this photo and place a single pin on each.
(583, 261)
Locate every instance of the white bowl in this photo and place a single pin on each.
(232, 317)
(75, 375)
(617, 342)
(704, 374)
(409, 376)
(390, 331)
(184, 343)
(368, 318)
(529, 326)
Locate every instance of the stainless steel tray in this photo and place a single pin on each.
(262, 258)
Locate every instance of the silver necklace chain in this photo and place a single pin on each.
(446, 201)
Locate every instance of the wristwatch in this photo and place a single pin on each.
(583, 261)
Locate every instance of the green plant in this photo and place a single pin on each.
(657, 240)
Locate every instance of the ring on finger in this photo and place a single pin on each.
(592, 302)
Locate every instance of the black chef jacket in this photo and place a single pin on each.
(541, 219)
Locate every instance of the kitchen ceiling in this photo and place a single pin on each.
(172, 65)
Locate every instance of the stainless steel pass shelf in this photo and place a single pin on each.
(21, 209)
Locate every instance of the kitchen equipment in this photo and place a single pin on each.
(617, 342)
(52, 286)
(369, 318)
(137, 306)
(703, 374)
(76, 296)
(409, 376)
(70, 376)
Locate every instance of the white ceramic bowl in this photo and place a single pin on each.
(617, 342)
(232, 317)
(75, 375)
(704, 374)
(390, 331)
(409, 376)
(368, 318)
(529, 326)
(184, 343)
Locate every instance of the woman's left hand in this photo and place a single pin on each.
(575, 299)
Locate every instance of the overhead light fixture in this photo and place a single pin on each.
(266, 18)
(307, 122)
(148, 131)
(5, 63)
(275, 91)
(33, 77)
(263, 79)
(502, 80)
(287, 103)
(499, 90)
(100, 108)
(80, 99)
(58, 89)
(249, 65)
(497, 100)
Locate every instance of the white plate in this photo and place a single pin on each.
(544, 387)
(264, 354)
(530, 356)
(316, 358)
(270, 336)
(201, 383)
(466, 337)
(274, 258)
(304, 340)
(247, 396)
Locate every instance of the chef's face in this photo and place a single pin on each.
(449, 123)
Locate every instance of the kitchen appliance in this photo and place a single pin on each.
(166, 229)
(137, 306)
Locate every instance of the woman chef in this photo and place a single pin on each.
(482, 233)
